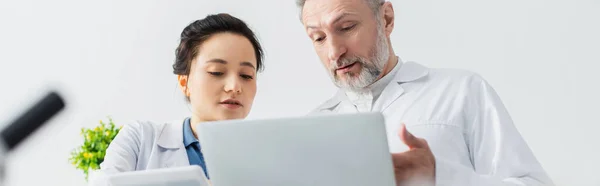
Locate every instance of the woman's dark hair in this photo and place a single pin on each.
(199, 31)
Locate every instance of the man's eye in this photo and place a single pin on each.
(216, 73)
(348, 28)
(319, 39)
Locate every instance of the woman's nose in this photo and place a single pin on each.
(233, 85)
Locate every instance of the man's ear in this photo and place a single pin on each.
(182, 81)
(387, 11)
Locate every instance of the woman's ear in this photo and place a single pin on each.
(182, 81)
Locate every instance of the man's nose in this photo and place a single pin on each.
(337, 49)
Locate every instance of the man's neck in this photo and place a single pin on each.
(387, 68)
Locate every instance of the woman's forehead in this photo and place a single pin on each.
(227, 48)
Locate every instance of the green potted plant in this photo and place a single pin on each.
(90, 154)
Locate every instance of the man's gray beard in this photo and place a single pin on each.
(371, 68)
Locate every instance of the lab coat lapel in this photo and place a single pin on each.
(409, 72)
(170, 151)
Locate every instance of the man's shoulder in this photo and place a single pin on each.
(432, 75)
(445, 74)
(452, 77)
(456, 82)
(453, 82)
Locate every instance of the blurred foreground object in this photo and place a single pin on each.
(24, 125)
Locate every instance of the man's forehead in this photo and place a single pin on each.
(316, 12)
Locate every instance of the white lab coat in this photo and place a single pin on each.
(470, 132)
(143, 145)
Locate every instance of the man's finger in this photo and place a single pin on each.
(410, 140)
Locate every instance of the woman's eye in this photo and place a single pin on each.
(246, 76)
(216, 73)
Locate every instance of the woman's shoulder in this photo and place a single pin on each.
(147, 127)
(144, 124)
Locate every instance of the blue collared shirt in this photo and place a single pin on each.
(192, 146)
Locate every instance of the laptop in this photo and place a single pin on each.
(323, 150)
(181, 176)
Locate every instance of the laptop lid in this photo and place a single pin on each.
(323, 150)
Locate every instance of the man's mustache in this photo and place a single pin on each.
(347, 61)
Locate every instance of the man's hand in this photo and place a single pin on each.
(416, 166)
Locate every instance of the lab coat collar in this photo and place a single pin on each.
(171, 136)
(408, 73)
(411, 71)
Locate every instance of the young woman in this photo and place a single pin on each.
(216, 65)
